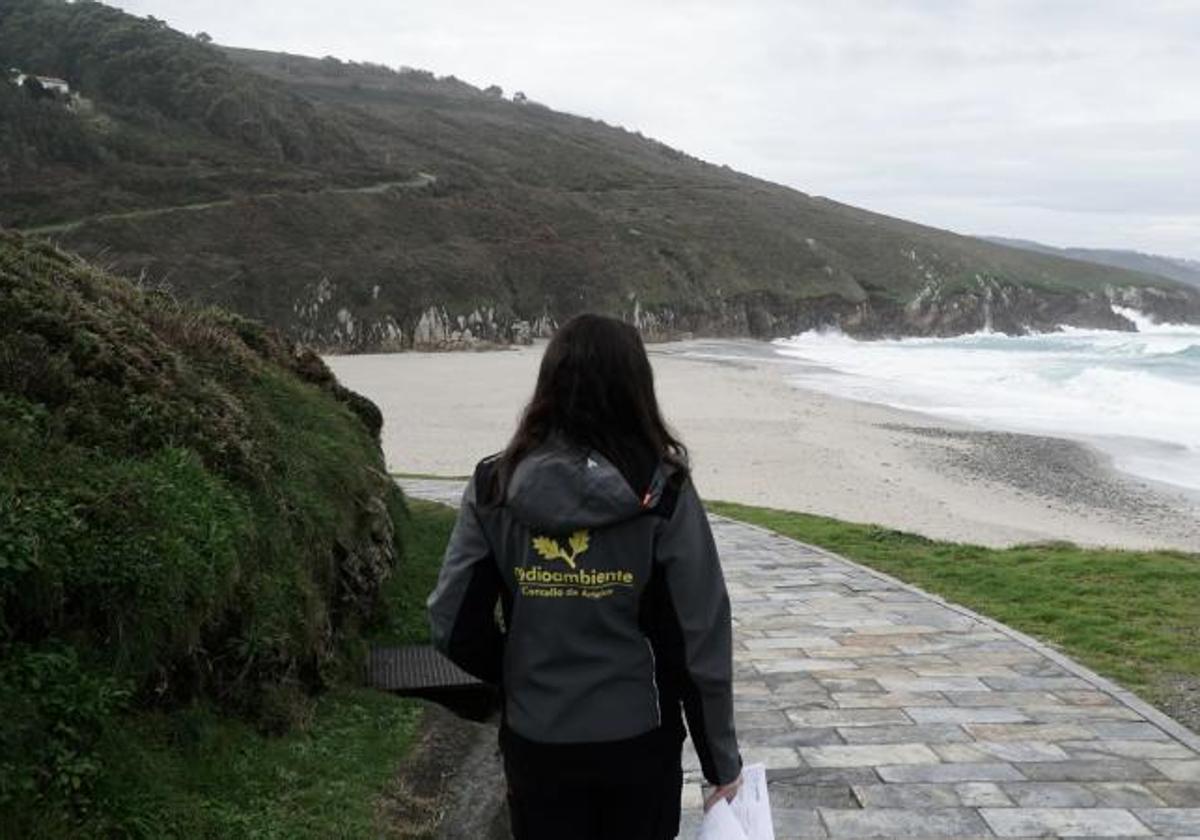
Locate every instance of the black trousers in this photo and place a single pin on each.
(615, 790)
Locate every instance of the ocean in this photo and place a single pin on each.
(1134, 396)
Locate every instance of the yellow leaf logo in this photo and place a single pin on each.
(579, 542)
(549, 548)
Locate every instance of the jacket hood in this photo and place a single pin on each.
(559, 487)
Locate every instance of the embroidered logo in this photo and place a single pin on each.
(549, 548)
(576, 582)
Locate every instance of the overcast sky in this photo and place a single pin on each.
(1073, 122)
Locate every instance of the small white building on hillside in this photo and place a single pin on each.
(50, 83)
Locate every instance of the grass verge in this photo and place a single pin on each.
(194, 773)
(431, 476)
(426, 532)
(1129, 615)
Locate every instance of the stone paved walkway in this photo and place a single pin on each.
(883, 712)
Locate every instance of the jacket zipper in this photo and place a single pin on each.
(654, 681)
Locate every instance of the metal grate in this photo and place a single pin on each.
(413, 668)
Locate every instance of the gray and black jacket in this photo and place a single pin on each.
(614, 606)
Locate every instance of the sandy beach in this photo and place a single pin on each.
(757, 439)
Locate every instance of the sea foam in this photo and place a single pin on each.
(1136, 396)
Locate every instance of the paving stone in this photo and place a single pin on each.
(893, 700)
(1014, 751)
(1130, 749)
(1051, 794)
(822, 776)
(790, 736)
(755, 703)
(784, 666)
(981, 714)
(1178, 771)
(927, 733)
(1086, 698)
(1034, 683)
(945, 684)
(972, 772)
(689, 824)
(1110, 770)
(797, 793)
(846, 717)
(854, 654)
(1006, 699)
(693, 797)
(797, 824)
(1064, 822)
(791, 642)
(970, 658)
(868, 755)
(1082, 714)
(982, 795)
(951, 668)
(770, 756)
(906, 665)
(792, 684)
(1171, 821)
(907, 796)
(750, 719)
(1027, 732)
(894, 823)
(1126, 795)
(859, 685)
(1127, 731)
(872, 640)
(762, 658)
(1177, 794)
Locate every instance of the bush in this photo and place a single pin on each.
(55, 713)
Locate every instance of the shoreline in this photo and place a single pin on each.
(757, 439)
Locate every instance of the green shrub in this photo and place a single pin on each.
(55, 713)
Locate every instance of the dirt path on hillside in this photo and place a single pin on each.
(422, 180)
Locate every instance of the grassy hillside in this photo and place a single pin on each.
(164, 119)
(527, 217)
(190, 511)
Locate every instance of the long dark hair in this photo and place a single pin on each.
(595, 387)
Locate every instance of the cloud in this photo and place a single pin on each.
(1074, 122)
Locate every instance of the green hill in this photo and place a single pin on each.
(361, 208)
(1176, 268)
(189, 511)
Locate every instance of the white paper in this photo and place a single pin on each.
(720, 824)
(747, 817)
(751, 806)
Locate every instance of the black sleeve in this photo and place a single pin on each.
(462, 607)
(699, 603)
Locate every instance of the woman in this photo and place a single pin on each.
(588, 532)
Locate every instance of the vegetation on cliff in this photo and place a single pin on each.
(1176, 268)
(190, 511)
(157, 118)
(531, 216)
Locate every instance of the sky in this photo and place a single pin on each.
(1071, 122)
